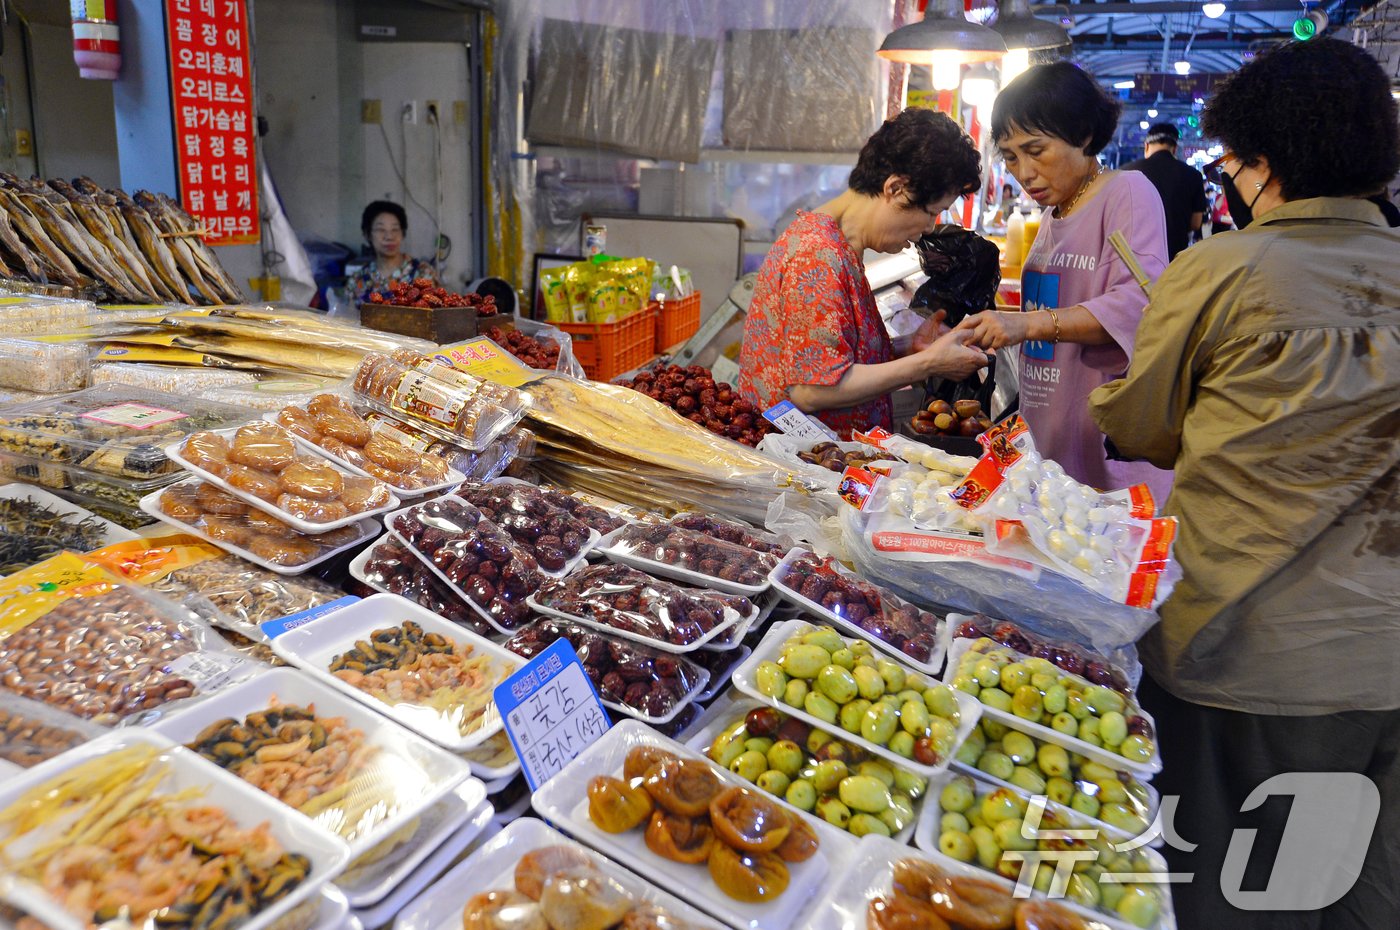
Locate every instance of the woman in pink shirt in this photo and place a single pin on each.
(1080, 305)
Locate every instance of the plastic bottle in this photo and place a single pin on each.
(1028, 235)
(1015, 238)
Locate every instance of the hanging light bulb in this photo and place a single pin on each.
(943, 29)
(1016, 61)
(1182, 67)
(1124, 85)
(1152, 113)
(1213, 10)
(979, 86)
(947, 71)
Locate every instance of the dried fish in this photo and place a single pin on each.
(180, 221)
(148, 236)
(69, 236)
(56, 265)
(107, 204)
(10, 239)
(99, 227)
(31, 532)
(178, 245)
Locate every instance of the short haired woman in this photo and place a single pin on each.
(384, 225)
(813, 334)
(1080, 305)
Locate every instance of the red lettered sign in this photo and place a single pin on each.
(211, 84)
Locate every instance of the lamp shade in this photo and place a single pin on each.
(943, 31)
(1020, 29)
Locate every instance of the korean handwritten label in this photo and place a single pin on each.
(212, 94)
(788, 419)
(551, 712)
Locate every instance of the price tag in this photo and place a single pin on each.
(788, 419)
(725, 369)
(483, 358)
(551, 712)
(275, 628)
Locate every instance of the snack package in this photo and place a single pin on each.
(481, 466)
(578, 279)
(554, 292)
(32, 731)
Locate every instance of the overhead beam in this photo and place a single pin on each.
(1161, 7)
(1216, 43)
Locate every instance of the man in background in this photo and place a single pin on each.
(1181, 186)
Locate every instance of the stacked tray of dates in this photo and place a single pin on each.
(391, 566)
(694, 394)
(738, 534)
(555, 537)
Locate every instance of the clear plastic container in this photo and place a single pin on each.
(636, 606)
(37, 365)
(173, 379)
(738, 534)
(691, 557)
(40, 524)
(26, 315)
(558, 540)
(391, 567)
(450, 404)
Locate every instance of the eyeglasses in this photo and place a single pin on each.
(386, 231)
(1212, 171)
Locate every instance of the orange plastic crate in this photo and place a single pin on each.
(677, 321)
(606, 350)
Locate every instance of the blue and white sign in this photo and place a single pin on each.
(275, 628)
(793, 422)
(551, 712)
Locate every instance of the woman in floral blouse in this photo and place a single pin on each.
(385, 224)
(813, 334)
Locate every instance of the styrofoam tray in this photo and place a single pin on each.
(491, 867)
(111, 532)
(927, 830)
(454, 477)
(609, 546)
(735, 635)
(727, 710)
(935, 660)
(969, 709)
(150, 504)
(334, 910)
(720, 680)
(662, 645)
(496, 777)
(358, 572)
(1142, 770)
(564, 800)
(422, 772)
(382, 913)
(314, 645)
(843, 907)
(589, 545)
(173, 451)
(457, 817)
(244, 804)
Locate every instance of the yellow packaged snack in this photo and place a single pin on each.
(555, 296)
(578, 278)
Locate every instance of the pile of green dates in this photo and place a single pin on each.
(843, 683)
(1037, 691)
(814, 771)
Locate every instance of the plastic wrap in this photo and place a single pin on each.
(262, 465)
(314, 750)
(275, 393)
(478, 466)
(293, 327)
(636, 606)
(479, 561)
(539, 345)
(798, 670)
(827, 591)
(173, 379)
(692, 557)
(82, 641)
(737, 534)
(32, 731)
(964, 272)
(438, 399)
(644, 683)
(225, 521)
(591, 513)
(241, 595)
(44, 366)
(333, 426)
(276, 859)
(823, 459)
(35, 525)
(390, 566)
(42, 316)
(430, 675)
(558, 540)
(810, 770)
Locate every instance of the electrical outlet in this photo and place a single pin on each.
(410, 112)
(24, 142)
(371, 111)
(459, 112)
(430, 113)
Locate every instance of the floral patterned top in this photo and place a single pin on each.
(368, 278)
(811, 318)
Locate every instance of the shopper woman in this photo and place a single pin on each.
(385, 225)
(813, 334)
(1269, 379)
(1080, 304)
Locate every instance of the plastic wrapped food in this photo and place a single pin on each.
(478, 466)
(218, 517)
(173, 379)
(35, 525)
(450, 404)
(244, 595)
(644, 683)
(477, 559)
(38, 365)
(556, 538)
(738, 534)
(104, 650)
(22, 315)
(272, 394)
(32, 732)
(1067, 657)
(898, 625)
(391, 567)
(331, 424)
(637, 606)
(597, 517)
(692, 557)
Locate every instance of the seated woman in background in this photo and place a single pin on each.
(385, 225)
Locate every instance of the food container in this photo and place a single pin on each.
(32, 732)
(690, 557)
(737, 534)
(725, 723)
(595, 516)
(563, 800)
(754, 682)
(455, 542)
(129, 518)
(172, 379)
(437, 398)
(901, 629)
(42, 365)
(492, 867)
(180, 454)
(313, 646)
(494, 762)
(34, 536)
(231, 593)
(721, 666)
(391, 567)
(557, 539)
(402, 776)
(110, 431)
(1130, 710)
(846, 901)
(31, 315)
(287, 556)
(245, 806)
(1133, 858)
(625, 602)
(647, 684)
(117, 493)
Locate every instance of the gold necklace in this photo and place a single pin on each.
(1064, 211)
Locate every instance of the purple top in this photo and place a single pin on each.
(1073, 264)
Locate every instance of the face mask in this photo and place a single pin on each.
(1240, 212)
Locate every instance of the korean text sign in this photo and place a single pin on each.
(551, 712)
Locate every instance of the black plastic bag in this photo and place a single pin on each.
(964, 272)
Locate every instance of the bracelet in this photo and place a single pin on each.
(1055, 318)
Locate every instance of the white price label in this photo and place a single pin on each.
(793, 422)
(551, 712)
